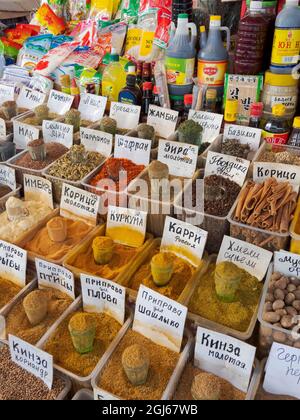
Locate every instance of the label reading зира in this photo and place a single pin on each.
(181, 158)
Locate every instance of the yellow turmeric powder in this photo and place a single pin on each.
(236, 315)
(8, 290)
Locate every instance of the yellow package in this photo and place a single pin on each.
(133, 40)
(146, 45)
(116, 4)
(102, 8)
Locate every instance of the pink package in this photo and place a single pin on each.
(55, 57)
(86, 33)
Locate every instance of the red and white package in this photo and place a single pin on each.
(55, 57)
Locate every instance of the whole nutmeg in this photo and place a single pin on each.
(289, 299)
(296, 305)
(291, 288)
(279, 337)
(279, 294)
(281, 312)
(278, 304)
(265, 331)
(291, 311)
(282, 283)
(271, 317)
(276, 276)
(287, 321)
(270, 297)
(295, 281)
(296, 293)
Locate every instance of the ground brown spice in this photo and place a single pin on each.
(183, 391)
(162, 364)
(60, 345)
(8, 291)
(18, 324)
(54, 151)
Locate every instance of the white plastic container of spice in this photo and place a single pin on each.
(14, 193)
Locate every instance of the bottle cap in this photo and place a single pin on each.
(183, 16)
(202, 29)
(296, 123)
(155, 90)
(256, 109)
(278, 110)
(147, 86)
(215, 21)
(188, 99)
(280, 79)
(231, 110)
(256, 5)
(131, 70)
(114, 56)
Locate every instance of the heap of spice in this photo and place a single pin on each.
(18, 324)
(60, 344)
(163, 361)
(279, 156)
(182, 272)
(8, 291)
(4, 190)
(40, 114)
(184, 388)
(116, 170)
(43, 243)
(17, 384)
(234, 147)
(53, 152)
(76, 164)
(237, 314)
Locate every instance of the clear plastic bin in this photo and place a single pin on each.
(14, 193)
(83, 395)
(167, 394)
(295, 237)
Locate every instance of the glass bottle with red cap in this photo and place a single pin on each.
(188, 104)
(256, 111)
(147, 99)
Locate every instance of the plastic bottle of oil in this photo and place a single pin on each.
(114, 78)
(276, 129)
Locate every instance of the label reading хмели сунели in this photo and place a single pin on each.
(8, 177)
(96, 141)
(245, 135)
(38, 189)
(57, 132)
(127, 116)
(210, 122)
(92, 107)
(24, 133)
(163, 120)
(252, 258)
(33, 360)
(30, 99)
(159, 318)
(280, 171)
(126, 226)
(7, 93)
(55, 276)
(135, 149)
(230, 167)
(225, 357)
(13, 263)
(59, 102)
(287, 263)
(101, 295)
(78, 204)
(181, 158)
(184, 240)
(282, 375)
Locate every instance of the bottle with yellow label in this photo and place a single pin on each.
(286, 44)
(276, 129)
(114, 78)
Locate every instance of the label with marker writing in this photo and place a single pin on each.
(96, 141)
(280, 171)
(92, 107)
(30, 99)
(7, 93)
(54, 131)
(184, 240)
(245, 135)
(126, 226)
(163, 120)
(13, 263)
(230, 167)
(8, 177)
(210, 122)
(101, 295)
(24, 133)
(252, 258)
(78, 204)
(127, 116)
(287, 263)
(55, 276)
(181, 158)
(225, 357)
(38, 189)
(59, 102)
(135, 149)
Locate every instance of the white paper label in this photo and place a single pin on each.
(96, 141)
(24, 133)
(59, 102)
(79, 204)
(100, 295)
(225, 356)
(184, 240)
(2, 128)
(252, 258)
(181, 158)
(134, 149)
(287, 263)
(127, 116)
(33, 360)
(163, 120)
(55, 276)
(38, 189)
(230, 167)
(92, 107)
(103, 395)
(245, 135)
(30, 99)
(279, 171)
(283, 371)
(54, 131)
(289, 102)
(126, 226)
(7, 93)
(210, 122)
(13, 263)
(159, 318)
(8, 177)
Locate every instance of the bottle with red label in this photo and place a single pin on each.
(276, 129)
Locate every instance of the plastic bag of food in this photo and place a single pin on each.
(77, 9)
(102, 9)
(88, 80)
(129, 10)
(48, 19)
(55, 57)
